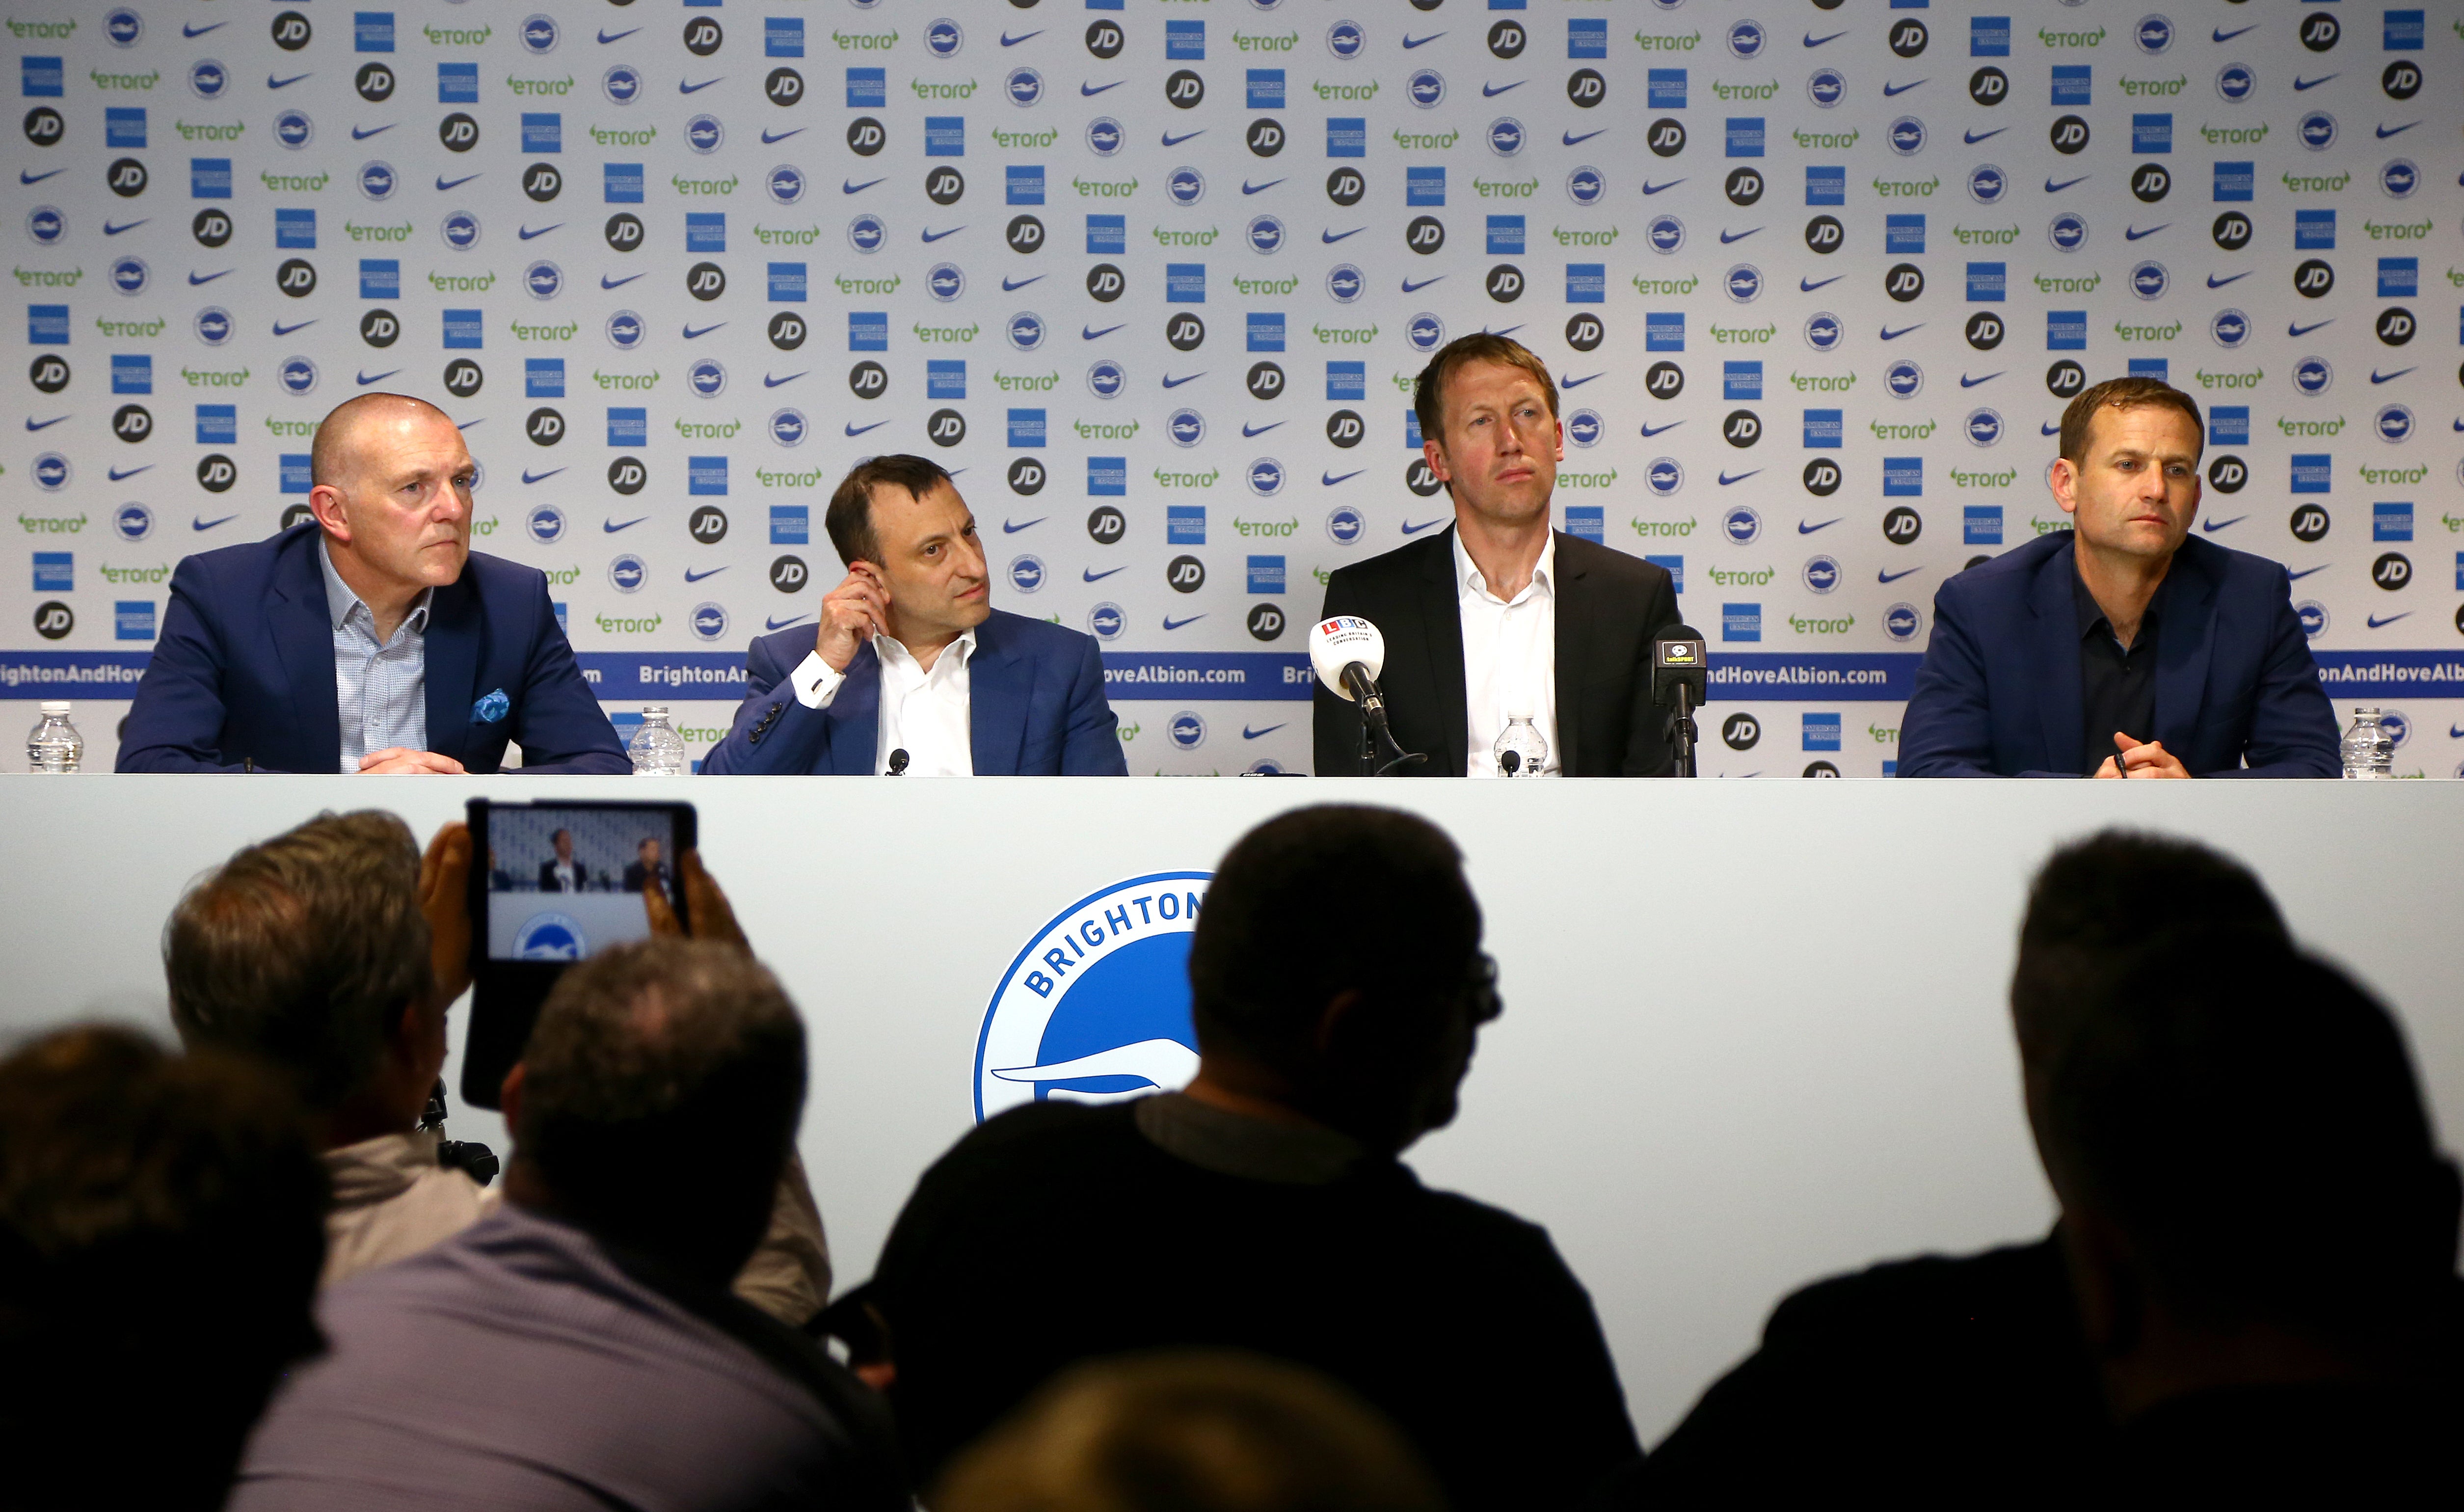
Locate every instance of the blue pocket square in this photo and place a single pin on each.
(492, 709)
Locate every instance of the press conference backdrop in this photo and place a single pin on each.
(1152, 278)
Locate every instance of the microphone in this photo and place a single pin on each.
(897, 762)
(1348, 652)
(1680, 682)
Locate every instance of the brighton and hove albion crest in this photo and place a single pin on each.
(1096, 1007)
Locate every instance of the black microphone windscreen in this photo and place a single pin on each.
(1679, 633)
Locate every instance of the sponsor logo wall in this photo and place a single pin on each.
(1154, 277)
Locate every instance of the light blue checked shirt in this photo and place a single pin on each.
(380, 690)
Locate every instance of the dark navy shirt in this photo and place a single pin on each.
(2117, 687)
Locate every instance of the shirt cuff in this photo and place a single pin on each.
(815, 681)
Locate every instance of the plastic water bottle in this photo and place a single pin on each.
(1520, 741)
(657, 749)
(54, 744)
(2368, 752)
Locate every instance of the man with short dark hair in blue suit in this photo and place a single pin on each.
(912, 671)
(2125, 646)
(370, 638)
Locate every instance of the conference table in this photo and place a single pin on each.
(1754, 1033)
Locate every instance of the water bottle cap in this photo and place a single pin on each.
(2369, 712)
(655, 711)
(55, 706)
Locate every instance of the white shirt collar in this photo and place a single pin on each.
(1469, 579)
(963, 649)
(340, 600)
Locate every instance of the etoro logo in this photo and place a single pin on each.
(1096, 1007)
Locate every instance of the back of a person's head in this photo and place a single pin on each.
(661, 1090)
(161, 1227)
(2247, 1117)
(2098, 902)
(304, 950)
(1195, 1432)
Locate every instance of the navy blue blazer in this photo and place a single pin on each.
(243, 672)
(1035, 708)
(1999, 690)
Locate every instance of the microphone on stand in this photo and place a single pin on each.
(1680, 682)
(897, 762)
(1348, 652)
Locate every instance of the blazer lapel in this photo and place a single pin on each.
(1000, 688)
(302, 627)
(1442, 633)
(2061, 701)
(2185, 641)
(855, 717)
(450, 649)
(1573, 638)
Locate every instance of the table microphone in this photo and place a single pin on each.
(1348, 652)
(1680, 682)
(897, 762)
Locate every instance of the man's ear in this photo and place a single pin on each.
(2064, 482)
(509, 1097)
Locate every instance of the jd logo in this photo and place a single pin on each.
(1095, 1008)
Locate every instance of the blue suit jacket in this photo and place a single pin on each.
(1035, 708)
(244, 671)
(1999, 690)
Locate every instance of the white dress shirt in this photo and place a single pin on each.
(1509, 659)
(924, 712)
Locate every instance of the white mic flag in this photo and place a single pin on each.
(1337, 643)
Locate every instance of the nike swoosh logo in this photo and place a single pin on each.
(611, 526)
(118, 476)
(606, 283)
(1253, 431)
(695, 335)
(1248, 734)
(1727, 237)
(1007, 40)
(768, 382)
(851, 186)
(199, 522)
(1171, 140)
(932, 236)
(1572, 139)
(362, 134)
(110, 229)
(443, 183)
(1965, 382)
(2300, 83)
(1412, 287)
(1649, 188)
(1009, 530)
(280, 329)
(783, 624)
(2047, 430)
(683, 88)
(1809, 285)
(1971, 138)
(1008, 288)
(1088, 333)
(1804, 529)
(272, 83)
(1888, 90)
(1489, 91)
(853, 428)
(1576, 383)
(2212, 526)
(1094, 576)
(194, 279)
(2053, 187)
(1170, 382)
(1086, 89)
(2215, 282)
(1410, 42)
(2304, 330)
(2133, 233)
(367, 378)
(1893, 577)
(1726, 480)
(1330, 480)
(2376, 623)
(1649, 431)
(2306, 571)
(1811, 40)
(2378, 377)
(1411, 530)
(526, 233)
(1247, 187)
(691, 576)
(2385, 132)
(2222, 35)
(1890, 334)
(529, 477)
(769, 138)
(193, 31)
(1332, 236)
(24, 177)
(1170, 623)
(605, 38)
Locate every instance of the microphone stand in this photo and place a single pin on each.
(1374, 731)
(1682, 731)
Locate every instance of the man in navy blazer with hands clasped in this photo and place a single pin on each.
(369, 638)
(2125, 646)
(913, 671)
